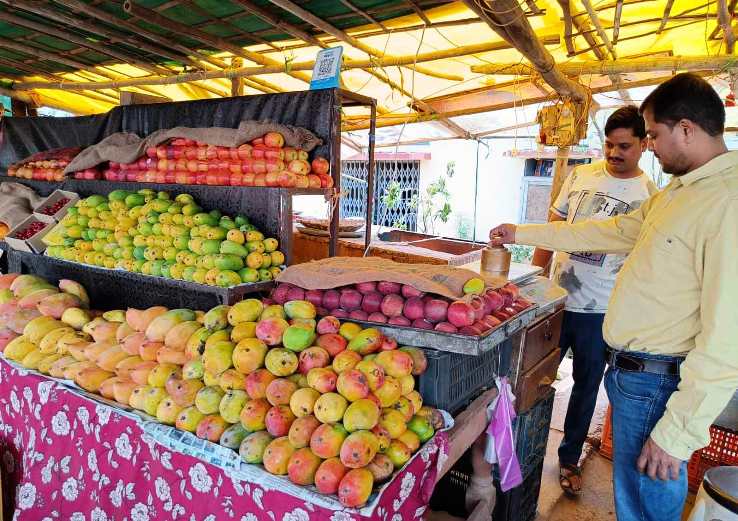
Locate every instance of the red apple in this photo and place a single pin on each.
(235, 167)
(258, 142)
(446, 327)
(435, 310)
(313, 181)
(386, 288)
(299, 167)
(244, 151)
(248, 179)
(377, 317)
(290, 154)
(151, 152)
(414, 308)
(202, 153)
(286, 179)
(399, 321)
(392, 305)
(233, 153)
(320, 166)
(302, 155)
(301, 181)
(272, 179)
(461, 314)
(258, 166)
(274, 139)
(223, 153)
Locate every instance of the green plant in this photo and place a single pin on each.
(434, 205)
(521, 253)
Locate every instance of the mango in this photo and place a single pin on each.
(50, 339)
(207, 399)
(122, 390)
(298, 338)
(359, 449)
(361, 415)
(32, 300)
(329, 475)
(140, 374)
(160, 373)
(253, 446)
(273, 311)
(249, 355)
(57, 368)
(302, 466)
(101, 330)
(195, 346)
(301, 430)
(124, 367)
(355, 487)
(72, 370)
(217, 318)
(281, 362)
(218, 357)
(277, 455)
(329, 407)
(366, 342)
(109, 359)
(188, 419)
(76, 317)
(248, 310)
(167, 355)
(179, 335)
(193, 370)
(54, 305)
(232, 379)
(231, 404)
(32, 359)
(106, 389)
(300, 309)
(39, 327)
(44, 365)
(91, 378)
(243, 331)
(159, 327)
(271, 330)
(115, 315)
(233, 436)
(211, 428)
(303, 401)
(152, 398)
(167, 411)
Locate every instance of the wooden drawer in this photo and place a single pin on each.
(534, 384)
(540, 339)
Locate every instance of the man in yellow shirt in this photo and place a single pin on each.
(672, 319)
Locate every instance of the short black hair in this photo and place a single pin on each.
(687, 96)
(627, 117)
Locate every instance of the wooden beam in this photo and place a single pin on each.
(388, 61)
(461, 105)
(568, 28)
(725, 19)
(616, 21)
(598, 26)
(533, 7)
(418, 11)
(25, 96)
(303, 14)
(153, 17)
(364, 14)
(82, 42)
(160, 49)
(622, 66)
(236, 83)
(665, 18)
(136, 98)
(507, 19)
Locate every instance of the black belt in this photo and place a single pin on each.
(640, 364)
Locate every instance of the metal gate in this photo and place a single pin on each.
(396, 185)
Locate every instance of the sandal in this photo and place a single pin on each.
(570, 479)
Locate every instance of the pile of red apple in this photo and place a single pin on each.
(89, 174)
(263, 162)
(403, 305)
(48, 165)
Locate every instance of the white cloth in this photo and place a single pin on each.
(591, 193)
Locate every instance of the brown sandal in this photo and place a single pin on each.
(570, 479)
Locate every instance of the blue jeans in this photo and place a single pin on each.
(638, 400)
(582, 332)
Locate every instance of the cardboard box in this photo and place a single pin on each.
(55, 196)
(33, 244)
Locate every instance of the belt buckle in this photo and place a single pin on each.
(628, 363)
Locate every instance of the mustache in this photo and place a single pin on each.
(616, 159)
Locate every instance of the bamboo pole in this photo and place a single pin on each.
(388, 61)
(598, 26)
(303, 14)
(508, 20)
(622, 66)
(162, 21)
(616, 21)
(724, 19)
(414, 5)
(665, 18)
(560, 171)
(25, 96)
(364, 14)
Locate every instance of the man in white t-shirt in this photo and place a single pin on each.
(593, 192)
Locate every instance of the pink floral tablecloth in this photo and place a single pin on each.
(66, 457)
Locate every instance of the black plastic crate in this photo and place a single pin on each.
(450, 492)
(531, 433)
(117, 289)
(452, 380)
(520, 503)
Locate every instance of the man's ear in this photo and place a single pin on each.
(687, 129)
(644, 144)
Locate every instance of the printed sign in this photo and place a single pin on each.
(327, 69)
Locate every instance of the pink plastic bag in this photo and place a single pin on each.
(500, 430)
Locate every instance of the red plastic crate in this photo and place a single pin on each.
(722, 451)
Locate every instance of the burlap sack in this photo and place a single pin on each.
(16, 203)
(125, 147)
(342, 271)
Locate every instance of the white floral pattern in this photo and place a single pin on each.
(123, 446)
(83, 461)
(296, 515)
(140, 512)
(60, 424)
(26, 496)
(70, 491)
(199, 478)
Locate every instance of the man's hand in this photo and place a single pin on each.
(657, 463)
(502, 234)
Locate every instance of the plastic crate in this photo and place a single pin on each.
(722, 451)
(531, 433)
(520, 503)
(450, 492)
(452, 380)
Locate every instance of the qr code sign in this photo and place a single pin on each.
(326, 66)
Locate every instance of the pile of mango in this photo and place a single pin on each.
(325, 403)
(152, 233)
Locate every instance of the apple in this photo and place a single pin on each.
(258, 142)
(244, 151)
(258, 166)
(260, 180)
(180, 164)
(286, 179)
(235, 167)
(298, 166)
(272, 179)
(151, 152)
(274, 139)
(248, 179)
(162, 165)
(190, 153)
(202, 153)
(302, 155)
(314, 181)
(274, 165)
(326, 181)
(290, 154)
(177, 153)
(161, 152)
(320, 166)
(301, 181)
(233, 153)
(222, 153)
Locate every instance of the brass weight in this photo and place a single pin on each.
(496, 260)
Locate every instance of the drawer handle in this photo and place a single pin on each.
(545, 382)
(548, 336)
